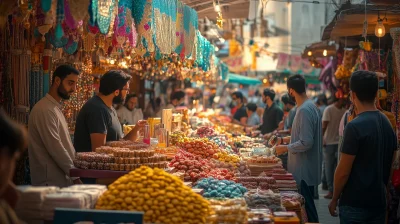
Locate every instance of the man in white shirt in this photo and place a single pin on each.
(51, 152)
(130, 114)
(330, 130)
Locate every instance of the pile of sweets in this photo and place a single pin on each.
(214, 188)
(228, 211)
(264, 199)
(161, 196)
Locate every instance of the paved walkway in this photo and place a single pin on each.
(322, 208)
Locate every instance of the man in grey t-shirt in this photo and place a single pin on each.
(305, 157)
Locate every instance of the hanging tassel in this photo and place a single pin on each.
(59, 32)
(46, 5)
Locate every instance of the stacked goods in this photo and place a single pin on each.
(176, 137)
(221, 142)
(263, 159)
(294, 202)
(218, 173)
(190, 164)
(227, 158)
(260, 182)
(214, 188)
(161, 196)
(228, 211)
(202, 147)
(264, 199)
(168, 151)
(240, 168)
(285, 185)
(258, 216)
(93, 160)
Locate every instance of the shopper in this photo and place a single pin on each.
(13, 142)
(130, 113)
(367, 153)
(97, 121)
(304, 150)
(322, 102)
(51, 152)
(240, 116)
(253, 118)
(273, 114)
(330, 131)
(289, 106)
(177, 99)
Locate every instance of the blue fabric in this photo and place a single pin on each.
(253, 120)
(305, 155)
(353, 215)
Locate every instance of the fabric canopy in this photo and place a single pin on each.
(235, 78)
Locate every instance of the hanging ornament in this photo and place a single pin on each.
(220, 20)
(104, 13)
(46, 5)
(79, 8)
(60, 18)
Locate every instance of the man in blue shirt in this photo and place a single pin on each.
(305, 156)
(253, 118)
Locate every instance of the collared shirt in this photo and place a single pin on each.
(51, 152)
(129, 117)
(305, 155)
(273, 115)
(253, 120)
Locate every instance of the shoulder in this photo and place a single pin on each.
(43, 108)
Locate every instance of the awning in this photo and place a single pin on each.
(244, 80)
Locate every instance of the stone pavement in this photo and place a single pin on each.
(322, 208)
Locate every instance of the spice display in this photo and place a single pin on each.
(161, 196)
(202, 147)
(214, 188)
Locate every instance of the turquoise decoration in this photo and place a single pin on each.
(60, 18)
(57, 43)
(46, 5)
(71, 47)
(93, 12)
(138, 7)
(104, 20)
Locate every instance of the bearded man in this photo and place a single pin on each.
(97, 121)
(51, 152)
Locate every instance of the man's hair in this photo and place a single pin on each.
(365, 85)
(286, 100)
(297, 83)
(178, 95)
(13, 137)
(238, 95)
(113, 80)
(269, 92)
(321, 99)
(252, 107)
(63, 71)
(129, 96)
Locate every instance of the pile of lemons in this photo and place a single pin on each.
(161, 196)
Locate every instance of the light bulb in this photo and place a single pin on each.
(216, 48)
(217, 8)
(309, 53)
(112, 61)
(325, 53)
(265, 81)
(380, 29)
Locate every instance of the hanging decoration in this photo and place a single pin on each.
(164, 25)
(395, 33)
(59, 32)
(179, 30)
(190, 25)
(79, 9)
(142, 15)
(103, 10)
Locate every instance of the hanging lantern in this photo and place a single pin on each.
(325, 53)
(380, 29)
(309, 53)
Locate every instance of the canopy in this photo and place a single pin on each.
(235, 78)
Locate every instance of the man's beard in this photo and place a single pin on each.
(118, 99)
(63, 93)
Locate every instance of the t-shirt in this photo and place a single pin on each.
(272, 116)
(129, 117)
(253, 120)
(371, 139)
(289, 119)
(96, 117)
(240, 113)
(333, 115)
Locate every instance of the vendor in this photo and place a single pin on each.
(177, 99)
(97, 121)
(273, 114)
(240, 116)
(130, 113)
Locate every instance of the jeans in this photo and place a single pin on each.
(308, 193)
(353, 215)
(330, 159)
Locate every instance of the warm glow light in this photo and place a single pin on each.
(128, 57)
(112, 61)
(313, 65)
(380, 29)
(217, 8)
(265, 81)
(216, 48)
(309, 53)
(325, 53)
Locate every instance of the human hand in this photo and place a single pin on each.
(140, 125)
(332, 208)
(10, 195)
(78, 181)
(280, 149)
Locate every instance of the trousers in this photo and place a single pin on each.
(330, 159)
(308, 193)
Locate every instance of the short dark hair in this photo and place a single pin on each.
(178, 95)
(297, 83)
(321, 99)
(269, 92)
(63, 71)
(13, 137)
(286, 100)
(365, 85)
(113, 80)
(252, 107)
(129, 96)
(238, 95)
